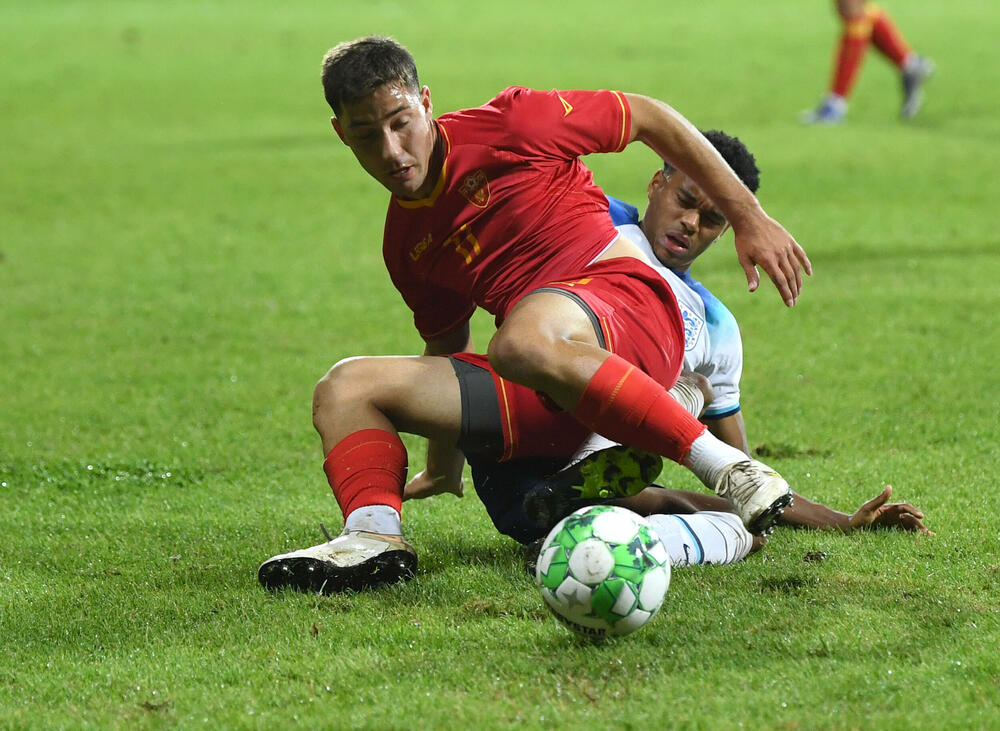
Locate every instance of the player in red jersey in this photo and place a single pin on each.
(866, 23)
(491, 207)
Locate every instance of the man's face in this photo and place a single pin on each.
(392, 134)
(680, 221)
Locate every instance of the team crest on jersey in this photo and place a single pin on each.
(476, 189)
(693, 325)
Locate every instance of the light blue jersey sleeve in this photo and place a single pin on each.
(725, 360)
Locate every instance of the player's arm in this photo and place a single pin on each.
(443, 471)
(875, 513)
(456, 341)
(760, 240)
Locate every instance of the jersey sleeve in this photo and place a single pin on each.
(564, 124)
(726, 360)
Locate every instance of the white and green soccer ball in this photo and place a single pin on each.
(603, 571)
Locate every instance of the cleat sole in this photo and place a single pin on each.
(763, 523)
(611, 473)
(306, 574)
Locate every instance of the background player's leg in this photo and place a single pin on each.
(914, 70)
(851, 49)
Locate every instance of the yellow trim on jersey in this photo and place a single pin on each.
(623, 138)
(567, 107)
(430, 200)
(511, 439)
(609, 343)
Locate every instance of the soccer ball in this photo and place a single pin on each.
(603, 571)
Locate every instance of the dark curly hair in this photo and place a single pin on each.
(736, 155)
(354, 69)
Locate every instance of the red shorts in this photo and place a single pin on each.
(503, 420)
(635, 316)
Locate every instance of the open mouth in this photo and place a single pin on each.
(401, 173)
(677, 244)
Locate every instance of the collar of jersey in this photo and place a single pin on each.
(438, 186)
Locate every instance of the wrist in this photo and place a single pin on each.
(743, 212)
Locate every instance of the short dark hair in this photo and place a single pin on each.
(736, 155)
(354, 69)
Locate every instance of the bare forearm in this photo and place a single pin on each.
(759, 239)
(675, 139)
(444, 463)
(655, 499)
(805, 513)
(802, 513)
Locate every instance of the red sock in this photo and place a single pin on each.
(888, 40)
(367, 467)
(624, 404)
(850, 54)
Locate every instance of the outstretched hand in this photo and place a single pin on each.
(423, 485)
(768, 245)
(879, 513)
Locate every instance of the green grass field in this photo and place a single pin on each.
(185, 249)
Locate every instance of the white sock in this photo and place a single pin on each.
(375, 519)
(593, 443)
(687, 393)
(709, 456)
(705, 537)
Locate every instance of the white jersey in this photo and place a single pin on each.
(712, 345)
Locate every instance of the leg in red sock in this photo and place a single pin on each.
(850, 53)
(624, 404)
(888, 39)
(367, 467)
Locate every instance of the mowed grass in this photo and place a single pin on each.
(185, 248)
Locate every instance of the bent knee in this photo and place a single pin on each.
(349, 380)
(518, 358)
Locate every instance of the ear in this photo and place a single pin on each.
(654, 183)
(339, 130)
(425, 101)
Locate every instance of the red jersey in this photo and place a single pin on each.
(514, 208)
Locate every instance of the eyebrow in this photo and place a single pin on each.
(712, 208)
(393, 113)
(685, 190)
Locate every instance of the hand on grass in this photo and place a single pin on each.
(879, 513)
(423, 485)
